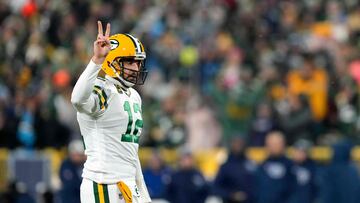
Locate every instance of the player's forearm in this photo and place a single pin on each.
(84, 86)
(144, 194)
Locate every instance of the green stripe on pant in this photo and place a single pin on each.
(106, 194)
(96, 193)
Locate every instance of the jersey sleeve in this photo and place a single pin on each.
(85, 96)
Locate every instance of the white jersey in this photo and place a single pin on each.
(110, 123)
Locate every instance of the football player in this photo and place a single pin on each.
(109, 115)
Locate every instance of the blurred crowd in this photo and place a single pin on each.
(277, 179)
(218, 70)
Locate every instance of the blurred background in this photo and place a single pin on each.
(246, 100)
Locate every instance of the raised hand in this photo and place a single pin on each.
(102, 44)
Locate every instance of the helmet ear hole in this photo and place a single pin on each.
(117, 64)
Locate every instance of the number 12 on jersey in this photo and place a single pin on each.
(131, 134)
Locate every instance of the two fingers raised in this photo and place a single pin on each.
(101, 38)
(101, 32)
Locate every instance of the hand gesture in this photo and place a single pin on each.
(102, 44)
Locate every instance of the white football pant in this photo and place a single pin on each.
(92, 192)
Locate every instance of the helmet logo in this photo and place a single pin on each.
(113, 44)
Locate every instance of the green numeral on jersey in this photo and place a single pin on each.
(131, 134)
(128, 110)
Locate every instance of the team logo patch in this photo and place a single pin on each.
(136, 190)
(113, 44)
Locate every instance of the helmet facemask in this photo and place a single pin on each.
(128, 76)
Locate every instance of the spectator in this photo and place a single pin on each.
(64, 109)
(297, 122)
(70, 173)
(234, 181)
(187, 184)
(156, 176)
(340, 182)
(262, 124)
(275, 181)
(236, 93)
(204, 132)
(311, 81)
(346, 102)
(16, 192)
(26, 133)
(306, 189)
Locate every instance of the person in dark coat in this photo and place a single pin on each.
(16, 193)
(70, 173)
(156, 177)
(187, 184)
(234, 181)
(275, 181)
(340, 182)
(298, 122)
(306, 188)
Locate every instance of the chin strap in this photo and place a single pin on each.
(122, 82)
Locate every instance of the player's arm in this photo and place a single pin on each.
(140, 182)
(82, 97)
